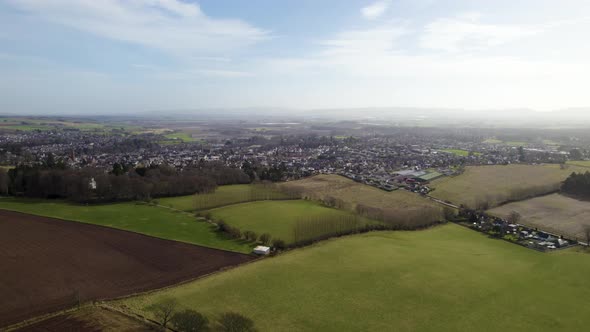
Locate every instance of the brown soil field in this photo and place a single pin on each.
(49, 264)
(90, 320)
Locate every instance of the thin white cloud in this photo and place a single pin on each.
(466, 33)
(375, 10)
(170, 25)
(379, 39)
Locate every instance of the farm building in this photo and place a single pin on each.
(261, 250)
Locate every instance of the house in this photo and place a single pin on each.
(261, 250)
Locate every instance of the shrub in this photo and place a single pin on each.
(234, 322)
(234, 232)
(189, 321)
(250, 236)
(279, 244)
(265, 238)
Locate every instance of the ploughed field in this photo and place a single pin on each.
(493, 185)
(48, 264)
(447, 278)
(554, 213)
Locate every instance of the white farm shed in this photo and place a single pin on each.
(262, 250)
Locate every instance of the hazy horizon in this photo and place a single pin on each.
(112, 57)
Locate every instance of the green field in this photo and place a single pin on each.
(458, 152)
(492, 141)
(155, 221)
(444, 279)
(580, 163)
(516, 143)
(223, 195)
(180, 136)
(497, 184)
(278, 218)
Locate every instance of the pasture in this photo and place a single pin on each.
(180, 136)
(579, 163)
(223, 195)
(553, 213)
(354, 193)
(447, 278)
(497, 184)
(278, 218)
(49, 264)
(140, 218)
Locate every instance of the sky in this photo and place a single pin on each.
(115, 56)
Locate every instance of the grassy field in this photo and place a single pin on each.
(278, 218)
(554, 213)
(354, 193)
(155, 221)
(496, 184)
(180, 136)
(516, 143)
(492, 141)
(458, 152)
(580, 163)
(223, 195)
(444, 279)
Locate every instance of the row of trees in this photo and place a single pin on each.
(166, 313)
(96, 185)
(577, 184)
(251, 236)
(405, 219)
(263, 191)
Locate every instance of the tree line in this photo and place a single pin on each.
(167, 314)
(122, 183)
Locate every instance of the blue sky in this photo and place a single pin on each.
(113, 56)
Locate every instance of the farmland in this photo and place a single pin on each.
(149, 220)
(353, 193)
(497, 184)
(278, 218)
(90, 319)
(444, 279)
(223, 195)
(580, 163)
(555, 213)
(48, 264)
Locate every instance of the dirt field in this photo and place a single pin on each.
(553, 213)
(497, 184)
(90, 320)
(49, 264)
(353, 193)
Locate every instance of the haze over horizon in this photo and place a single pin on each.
(109, 57)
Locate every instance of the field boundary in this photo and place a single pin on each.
(122, 230)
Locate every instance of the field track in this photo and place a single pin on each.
(49, 264)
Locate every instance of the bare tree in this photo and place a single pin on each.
(513, 217)
(586, 230)
(163, 310)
